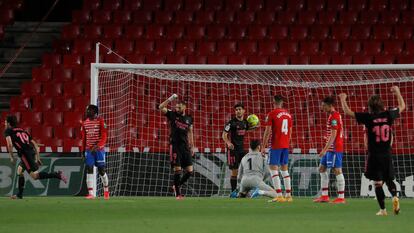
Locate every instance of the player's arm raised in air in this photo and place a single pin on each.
(191, 139)
(345, 106)
(400, 99)
(10, 148)
(163, 106)
(36, 148)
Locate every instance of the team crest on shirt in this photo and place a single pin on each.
(334, 122)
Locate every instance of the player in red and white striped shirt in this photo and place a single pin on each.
(94, 135)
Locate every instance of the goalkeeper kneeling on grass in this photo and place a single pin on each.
(253, 170)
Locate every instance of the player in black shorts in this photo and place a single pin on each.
(378, 123)
(181, 142)
(237, 128)
(28, 152)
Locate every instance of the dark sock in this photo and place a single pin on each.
(45, 175)
(185, 177)
(20, 186)
(379, 192)
(392, 187)
(177, 178)
(233, 183)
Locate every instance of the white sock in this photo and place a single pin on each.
(324, 183)
(286, 181)
(276, 182)
(340, 184)
(105, 182)
(89, 183)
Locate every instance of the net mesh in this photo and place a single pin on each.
(138, 145)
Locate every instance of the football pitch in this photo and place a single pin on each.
(198, 215)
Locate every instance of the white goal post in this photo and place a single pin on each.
(137, 149)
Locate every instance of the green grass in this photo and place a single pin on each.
(197, 215)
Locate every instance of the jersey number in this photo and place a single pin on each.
(382, 133)
(250, 163)
(285, 128)
(23, 137)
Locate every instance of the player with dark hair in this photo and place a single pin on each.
(236, 128)
(28, 151)
(279, 125)
(94, 135)
(181, 142)
(331, 154)
(378, 123)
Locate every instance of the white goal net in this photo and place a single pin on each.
(138, 146)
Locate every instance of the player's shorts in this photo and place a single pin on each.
(180, 156)
(95, 158)
(28, 162)
(332, 159)
(379, 168)
(234, 158)
(278, 157)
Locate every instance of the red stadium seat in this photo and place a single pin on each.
(216, 60)
(340, 33)
(225, 17)
(403, 32)
(393, 47)
(151, 5)
(307, 17)
(206, 48)
(31, 118)
(176, 59)
(274, 5)
(372, 47)
(405, 59)
(70, 32)
(31, 88)
(92, 4)
(101, 16)
(40, 74)
(124, 46)
(299, 60)
(226, 48)
(111, 5)
(144, 46)
(295, 5)
(164, 47)
(184, 47)
(155, 59)
(267, 48)
(330, 47)
(155, 31)
(348, 17)
(72, 60)
(278, 32)
(92, 31)
(369, 17)
(235, 59)
(204, 17)
(265, 17)
(122, 16)
(286, 17)
(173, 5)
(113, 58)
(73, 89)
(112, 31)
(245, 17)
(65, 132)
(73, 119)
(298, 32)
(81, 16)
(52, 89)
(6, 16)
(407, 17)
(193, 5)
(362, 59)
(378, 5)
(184, 17)
(196, 59)
(82, 46)
(42, 103)
(247, 47)
(80, 103)
(41, 132)
(163, 17)
(390, 17)
(215, 32)
(195, 32)
(258, 60)
(382, 32)
(51, 59)
(136, 58)
(132, 4)
(351, 47)
(175, 32)
(238, 33)
(320, 59)
(234, 5)
(384, 59)
(335, 5)
(19, 103)
(315, 5)
(409, 47)
(399, 5)
(254, 5)
(357, 5)
(61, 74)
(340, 59)
(309, 48)
(288, 48)
(327, 17)
(142, 17)
(82, 74)
(360, 32)
(257, 32)
(63, 104)
(134, 31)
(319, 32)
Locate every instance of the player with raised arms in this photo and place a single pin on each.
(378, 123)
(331, 154)
(94, 135)
(28, 152)
(236, 128)
(181, 142)
(279, 125)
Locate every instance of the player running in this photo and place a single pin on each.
(378, 123)
(28, 152)
(94, 135)
(279, 124)
(252, 171)
(237, 128)
(331, 154)
(181, 142)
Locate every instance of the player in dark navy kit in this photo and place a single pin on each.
(378, 123)
(28, 152)
(236, 128)
(181, 142)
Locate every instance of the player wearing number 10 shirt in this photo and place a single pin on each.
(378, 123)
(279, 124)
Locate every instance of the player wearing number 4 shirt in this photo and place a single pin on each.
(331, 154)
(378, 123)
(279, 124)
(28, 152)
